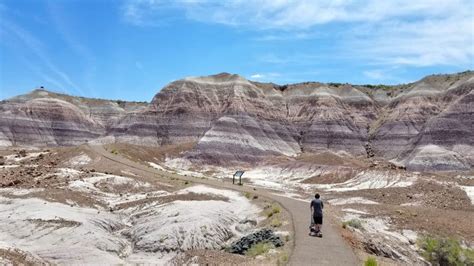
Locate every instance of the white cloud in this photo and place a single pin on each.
(397, 32)
(442, 41)
(257, 76)
(269, 76)
(290, 14)
(284, 36)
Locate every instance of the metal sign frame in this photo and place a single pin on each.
(239, 175)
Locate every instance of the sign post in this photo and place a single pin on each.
(239, 175)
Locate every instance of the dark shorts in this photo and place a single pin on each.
(318, 219)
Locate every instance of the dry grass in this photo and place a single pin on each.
(259, 249)
(272, 210)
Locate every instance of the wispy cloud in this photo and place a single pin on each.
(265, 76)
(59, 18)
(290, 14)
(285, 36)
(256, 76)
(400, 32)
(56, 76)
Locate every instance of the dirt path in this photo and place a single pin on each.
(329, 250)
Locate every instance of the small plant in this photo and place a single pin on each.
(255, 197)
(275, 222)
(354, 223)
(370, 261)
(282, 259)
(114, 151)
(186, 182)
(445, 251)
(259, 249)
(275, 209)
(248, 195)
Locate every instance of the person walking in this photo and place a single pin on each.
(316, 207)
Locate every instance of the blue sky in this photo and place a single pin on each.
(130, 49)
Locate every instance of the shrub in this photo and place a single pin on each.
(274, 210)
(248, 195)
(259, 249)
(275, 222)
(445, 251)
(371, 261)
(283, 259)
(114, 151)
(354, 223)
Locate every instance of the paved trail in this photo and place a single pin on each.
(329, 250)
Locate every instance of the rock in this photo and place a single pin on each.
(249, 221)
(369, 150)
(246, 242)
(22, 153)
(380, 249)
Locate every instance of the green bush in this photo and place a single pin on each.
(259, 249)
(371, 261)
(354, 223)
(445, 251)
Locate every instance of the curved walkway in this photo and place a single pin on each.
(329, 250)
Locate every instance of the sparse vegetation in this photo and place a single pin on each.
(114, 151)
(354, 223)
(120, 103)
(370, 261)
(283, 258)
(335, 84)
(445, 251)
(276, 222)
(249, 195)
(379, 86)
(275, 209)
(259, 249)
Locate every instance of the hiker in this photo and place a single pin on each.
(316, 215)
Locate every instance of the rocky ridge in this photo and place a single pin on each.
(426, 125)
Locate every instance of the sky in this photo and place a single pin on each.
(130, 49)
